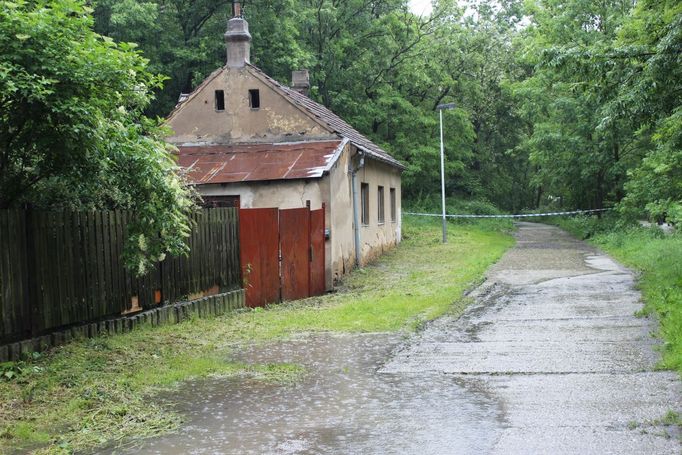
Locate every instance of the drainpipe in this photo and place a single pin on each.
(356, 217)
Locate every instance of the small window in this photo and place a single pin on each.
(380, 205)
(219, 100)
(393, 205)
(221, 201)
(254, 99)
(364, 195)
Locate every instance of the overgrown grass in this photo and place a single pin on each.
(97, 391)
(659, 259)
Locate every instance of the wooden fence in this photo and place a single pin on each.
(64, 268)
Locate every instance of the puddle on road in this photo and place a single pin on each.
(342, 405)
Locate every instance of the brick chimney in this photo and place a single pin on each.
(300, 81)
(237, 38)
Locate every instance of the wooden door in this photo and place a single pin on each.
(294, 238)
(259, 251)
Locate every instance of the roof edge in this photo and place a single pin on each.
(337, 154)
(376, 157)
(194, 92)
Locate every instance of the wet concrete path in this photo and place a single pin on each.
(550, 359)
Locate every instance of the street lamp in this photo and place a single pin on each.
(440, 108)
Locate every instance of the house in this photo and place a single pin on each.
(248, 141)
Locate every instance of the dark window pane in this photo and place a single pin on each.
(219, 100)
(254, 99)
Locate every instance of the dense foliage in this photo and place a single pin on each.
(565, 103)
(604, 103)
(568, 103)
(72, 132)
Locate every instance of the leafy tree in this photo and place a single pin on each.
(651, 96)
(577, 155)
(569, 101)
(72, 133)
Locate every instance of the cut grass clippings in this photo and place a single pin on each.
(100, 391)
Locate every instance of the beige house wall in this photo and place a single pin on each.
(283, 194)
(277, 119)
(341, 217)
(375, 237)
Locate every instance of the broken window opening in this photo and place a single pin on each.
(219, 100)
(254, 98)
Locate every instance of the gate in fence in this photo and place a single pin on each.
(282, 254)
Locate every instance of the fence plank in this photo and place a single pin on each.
(61, 268)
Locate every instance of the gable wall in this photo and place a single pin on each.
(197, 120)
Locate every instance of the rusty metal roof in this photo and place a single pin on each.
(249, 162)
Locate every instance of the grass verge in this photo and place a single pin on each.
(100, 391)
(659, 259)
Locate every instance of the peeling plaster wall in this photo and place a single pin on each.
(284, 194)
(376, 238)
(341, 218)
(197, 121)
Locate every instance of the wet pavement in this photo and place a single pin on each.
(549, 359)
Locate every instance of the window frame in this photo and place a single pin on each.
(364, 204)
(381, 205)
(394, 204)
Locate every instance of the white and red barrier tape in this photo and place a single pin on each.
(520, 215)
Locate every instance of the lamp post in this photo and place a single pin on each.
(440, 108)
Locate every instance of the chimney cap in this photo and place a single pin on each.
(236, 8)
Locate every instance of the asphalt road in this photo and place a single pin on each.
(550, 359)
